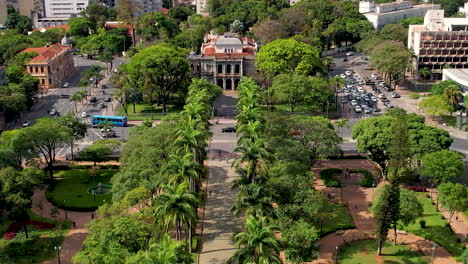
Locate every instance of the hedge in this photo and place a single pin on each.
(327, 176)
(368, 180)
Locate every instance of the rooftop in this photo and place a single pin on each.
(46, 53)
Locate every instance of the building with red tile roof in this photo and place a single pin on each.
(224, 59)
(51, 66)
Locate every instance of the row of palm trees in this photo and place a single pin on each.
(177, 204)
(257, 243)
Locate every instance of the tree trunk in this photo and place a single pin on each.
(164, 104)
(379, 247)
(25, 226)
(71, 148)
(50, 167)
(395, 230)
(190, 237)
(134, 109)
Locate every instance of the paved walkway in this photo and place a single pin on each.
(357, 200)
(219, 225)
(74, 238)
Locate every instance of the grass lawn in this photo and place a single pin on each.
(364, 252)
(143, 111)
(450, 120)
(336, 217)
(436, 227)
(40, 244)
(70, 189)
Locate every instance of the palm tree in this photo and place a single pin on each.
(454, 94)
(176, 207)
(341, 123)
(165, 251)
(75, 98)
(253, 152)
(424, 73)
(182, 168)
(257, 244)
(253, 199)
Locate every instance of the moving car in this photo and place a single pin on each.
(349, 53)
(395, 95)
(107, 99)
(84, 114)
(66, 85)
(53, 112)
(93, 99)
(228, 130)
(26, 123)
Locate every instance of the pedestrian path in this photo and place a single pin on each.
(358, 200)
(74, 238)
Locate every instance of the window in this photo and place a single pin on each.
(42, 81)
(42, 69)
(48, 69)
(50, 81)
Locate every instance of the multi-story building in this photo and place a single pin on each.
(224, 59)
(439, 43)
(380, 15)
(2, 76)
(51, 66)
(142, 6)
(28, 8)
(64, 8)
(202, 8)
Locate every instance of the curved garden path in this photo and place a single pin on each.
(74, 238)
(357, 200)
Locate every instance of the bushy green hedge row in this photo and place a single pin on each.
(327, 176)
(368, 180)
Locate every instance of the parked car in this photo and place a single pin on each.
(368, 110)
(53, 112)
(348, 73)
(358, 109)
(376, 109)
(389, 105)
(373, 99)
(395, 95)
(102, 105)
(66, 85)
(344, 59)
(353, 102)
(93, 99)
(349, 53)
(84, 114)
(343, 75)
(343, 100)
(107, 99)
(110, 134)
(26, 123)
(106, 130)
(228, 130)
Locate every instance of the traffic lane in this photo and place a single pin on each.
(224, 142)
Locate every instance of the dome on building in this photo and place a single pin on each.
(66, 41)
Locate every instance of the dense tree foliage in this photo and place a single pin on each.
(22, 24)
(453, 197)
(441, 166)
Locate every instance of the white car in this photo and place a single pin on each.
(349, 53)
(66, 85)
(360, 89)
(26, 123)
(349, 86)
(367, 110)
(358, 109)
(353, 102)
(343, 75)
(381, 96)
(84, 114)
(373, 99)
(348, 73)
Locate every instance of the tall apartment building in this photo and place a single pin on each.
(29, 8)
(380, 15)
(202, 8)
(51, 66)
(439, 43)
(64, 8)
(224, 60)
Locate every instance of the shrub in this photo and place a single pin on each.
(368, 180)
(415, 96)
(327, 176)
(422, 223)
(415, 188)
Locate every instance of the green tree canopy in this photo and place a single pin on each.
(441, 166)
(436, 105)
(18, 22)
(453, 197)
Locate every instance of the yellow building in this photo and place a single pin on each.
(51, 66)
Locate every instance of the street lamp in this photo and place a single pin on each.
(57, 249)
(66, 216)
(336, 254)
(373, 189)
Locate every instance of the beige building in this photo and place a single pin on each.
(224, 59)
(439, 43)
(29, 8)
(51, 66)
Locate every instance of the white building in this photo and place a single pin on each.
(380, 15)
(439, 43)
(458, 75)
(201, 8)
(64, 8)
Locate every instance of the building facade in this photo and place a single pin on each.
(439, 43)
(380, 15)
(29, 8)
(458, 75)
(64, 8)
(224, 59)
(202, 8)
(51, 66)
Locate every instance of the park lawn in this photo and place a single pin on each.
(71, 186)
(450, 120)
(143, 111)
(364, 252)
(337, 217)
(40, 244)
(436, 227)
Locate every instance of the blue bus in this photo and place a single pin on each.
(120, 121)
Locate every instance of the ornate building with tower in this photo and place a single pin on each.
(224, 59)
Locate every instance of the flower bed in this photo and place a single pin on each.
(16, 226)
(415, 188)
